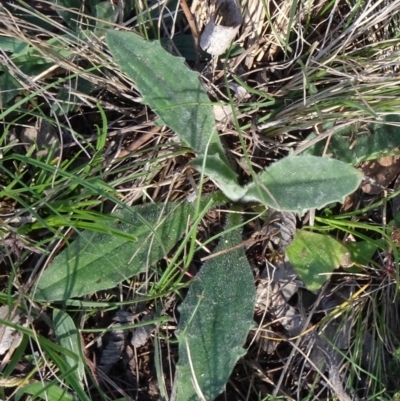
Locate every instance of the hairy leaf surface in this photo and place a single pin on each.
(173, 91)
(97, 261)
(298, 183)
(215, 319)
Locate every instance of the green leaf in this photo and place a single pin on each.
(98, 261)
(71, 18)
(13, 45)
(9, 88)
(106, 14)
(33, 62)
(361, 252)
(173, 91)
(52, 352)
(52, 393)
(222, 174)
(356, 143)
(298, 183)
(68, 337)
(216, 316)
(314, 256)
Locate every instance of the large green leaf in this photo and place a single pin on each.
(298, 183)
(355, 143)
(216, 316)
(173, 91)
(68, 336)
(97, 261)
(314, 256)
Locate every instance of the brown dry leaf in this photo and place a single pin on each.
(350, 202)
(40, 133)
(337, 331)
(9, 337)
(277, 285)
(142, 334)
(223, 113)
(382, 171)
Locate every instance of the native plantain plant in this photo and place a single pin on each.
(217, 313)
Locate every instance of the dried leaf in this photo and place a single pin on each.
(277, 285)
(142, 334)
(9, 337)
(382, 171)
(41, 133)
